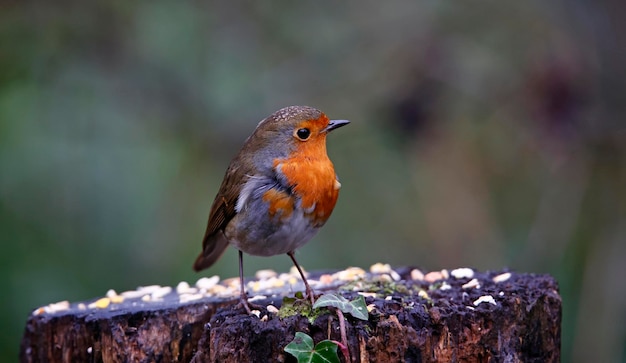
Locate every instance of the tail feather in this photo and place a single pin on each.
(213, 248)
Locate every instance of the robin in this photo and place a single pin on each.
(278, 191)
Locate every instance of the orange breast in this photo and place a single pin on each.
(279, 202)
(314, 181)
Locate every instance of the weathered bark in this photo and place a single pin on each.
(522, 324)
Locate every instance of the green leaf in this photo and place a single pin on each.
(325, 351)
(302, 348)
(356, 307)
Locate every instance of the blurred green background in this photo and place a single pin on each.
(486, 134)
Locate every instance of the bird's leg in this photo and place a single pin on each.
(309, 291)
(243, 298)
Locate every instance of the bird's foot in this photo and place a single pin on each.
(248, 306)
(311, 296)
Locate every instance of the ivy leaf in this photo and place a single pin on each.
(356, 307)
(302, 348)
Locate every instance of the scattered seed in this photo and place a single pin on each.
(102, 303)
(460, 273)
(417, 275)
(186, 289)
(148, 289)
(350, 274)
(265, 274)
(117, 299)
(433, 276)
(161, 292)
(133, 294)
(220, 290)
(185, 298)
(208, 282)
(326, 279)
(294, 271)
(232, 282)
(395, 276)
(473, 283)
(53, 308)
(183, 288)
(257, 297)
(379, 268)
(485, 299)
(502, 277)
(59, 306)
(272, 309)
(254, 286)
(367, 294)
(140, 292)
(257, 313)
(270, 283)
(445, 273)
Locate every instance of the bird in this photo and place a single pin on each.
(278, 191)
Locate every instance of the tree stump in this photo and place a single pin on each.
(456, 316)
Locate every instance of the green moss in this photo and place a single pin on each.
(293, 306)
(368, 330)
(435, 286)
(380, 286)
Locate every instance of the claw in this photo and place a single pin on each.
(243, 301)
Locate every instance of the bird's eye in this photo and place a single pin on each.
(303, 134)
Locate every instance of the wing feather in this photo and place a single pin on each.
(222, 212)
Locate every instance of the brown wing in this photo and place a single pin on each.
(222, 211)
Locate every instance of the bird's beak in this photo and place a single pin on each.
(335, 124)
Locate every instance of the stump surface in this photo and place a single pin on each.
(464, 319)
